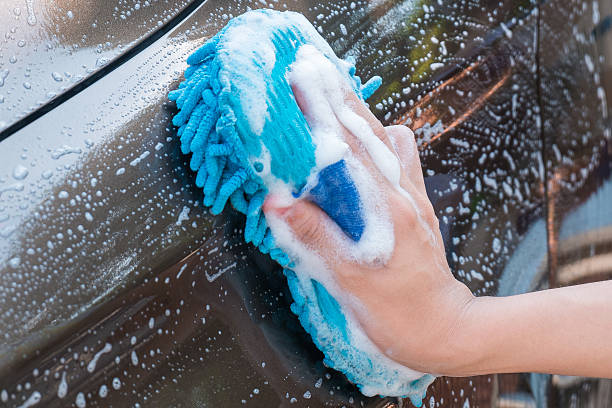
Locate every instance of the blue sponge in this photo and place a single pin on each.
(240, 121)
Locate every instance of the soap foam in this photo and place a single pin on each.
(324, 90)
(319, 76)
(238, 119)
(255, 29)
(315, 68)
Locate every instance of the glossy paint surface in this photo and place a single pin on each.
(119, 289)
(49, 47)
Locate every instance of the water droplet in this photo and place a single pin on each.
(64, 150)
(100, 62)
(33, 400)
(497, 245)
(27, 85)
(134, 358)
(80, 400)
(15, 262)
(20, 172)
(3, 74)
(31, 15)
(70, 14)
(57, 76)
(62, 388)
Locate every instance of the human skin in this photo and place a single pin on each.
(418, 314)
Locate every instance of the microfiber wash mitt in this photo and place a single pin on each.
(240, 121)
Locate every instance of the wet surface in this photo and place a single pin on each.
(578, 146)
(578, 154)
(465, 113)
(119, 289)
(48, 47)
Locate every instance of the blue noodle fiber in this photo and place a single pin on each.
(215, 126)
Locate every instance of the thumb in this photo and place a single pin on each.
(307, 222)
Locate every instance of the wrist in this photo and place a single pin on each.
(458, 345)
(447, 344)
(472, 342)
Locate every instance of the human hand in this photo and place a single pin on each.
(410, 305)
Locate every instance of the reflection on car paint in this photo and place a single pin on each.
(49, 47)
(118, 288)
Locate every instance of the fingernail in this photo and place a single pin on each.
(282, 211)
(270, 206)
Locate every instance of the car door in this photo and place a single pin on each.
(119, 289)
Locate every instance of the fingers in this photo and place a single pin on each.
(302, 101)
(403, 141)
(317, 110)
(362, 154)
(309, 225)
(360, 108)
(411, 179)
(308, 221)
(417, 206)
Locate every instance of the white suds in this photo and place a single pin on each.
(255, 30)
(324, 91)
(34, 399)
(62, 388)
(92, 364)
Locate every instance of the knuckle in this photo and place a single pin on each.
(378, 128)
(429, 214)
(382, 134)
(401, 132)
(400, 203)
(306, 226)
(409, 216)
(432, 219)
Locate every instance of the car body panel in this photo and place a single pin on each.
(113, 270)
(49, 47)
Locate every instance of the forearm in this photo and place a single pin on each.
(562, 331)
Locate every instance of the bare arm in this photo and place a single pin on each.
(562, 331)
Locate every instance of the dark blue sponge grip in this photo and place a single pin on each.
(337, 195)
